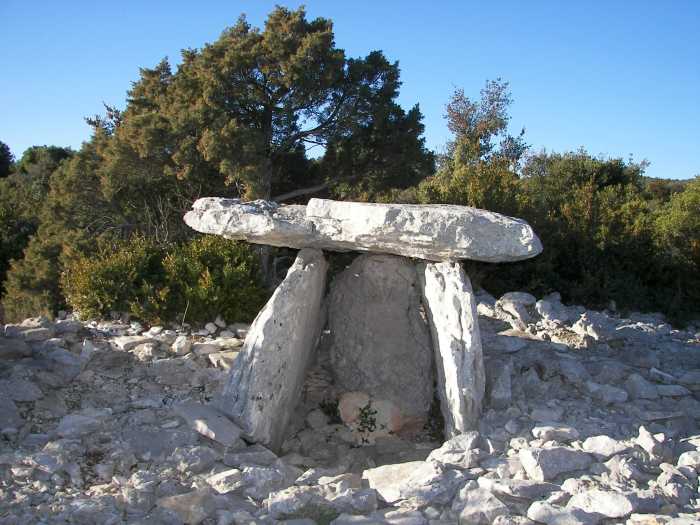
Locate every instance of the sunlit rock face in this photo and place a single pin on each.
(434, 232)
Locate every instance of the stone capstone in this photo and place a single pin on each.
(432, 232)
(266, 381)
(380, 343)
(451, 307)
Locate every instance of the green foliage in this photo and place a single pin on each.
(243, 109)
(481, 162)
(197, 280)
(32, 285)
(608, 232)
(22, 197)
(6, 160)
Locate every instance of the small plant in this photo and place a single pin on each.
(204, 277)
(367, 421)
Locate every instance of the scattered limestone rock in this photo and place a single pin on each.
(544, 464)
(209, 422)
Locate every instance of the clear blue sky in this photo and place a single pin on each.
(616, 77)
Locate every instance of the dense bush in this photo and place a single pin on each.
(195, 281)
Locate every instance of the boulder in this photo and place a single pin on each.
(609, 503)
(426, 481)
(477, 506)
(544, 464)
(432, 232)
(266, 381)
(604, 446)
(451, 307)
(380, 343)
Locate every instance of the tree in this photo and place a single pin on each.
(481, 162)
(245, 102)
(6, 160)
(386, 153)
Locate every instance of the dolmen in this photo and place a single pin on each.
(400, 320)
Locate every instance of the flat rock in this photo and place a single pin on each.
(604, 446)
(433, 232)
(129, 342)
(265, 385)
(543, 512)
(451, 307)
(209, 422)
(425, 482)
(380, 343)
(192, 507)
(555, 433)
(544, 464)
(478, 506)
(609, 503)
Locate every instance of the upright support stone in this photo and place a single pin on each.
(451, 307)
(268, 375)
(380, 342)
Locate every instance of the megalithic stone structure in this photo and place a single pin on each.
(267, 376)
(435, 232)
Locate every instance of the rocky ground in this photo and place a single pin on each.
(590, 418)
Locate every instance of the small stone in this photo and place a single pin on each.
(129, 342)
(609, 503)
(181, 345)
(223, 360)
(478, 507)
(253, 455)
(209, 422)
(316, 419)
(672, 391)
(544, 512)
(604, 446)
(654, 445)
(607, 394)
(456, 452)
(211, 328)
(639, 388)
(219, 322)
(555, 433)
(192, 507)
(194, 459)
(690, 459)
(226, 481)
(77, 425)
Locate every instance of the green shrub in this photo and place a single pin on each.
(195, 281)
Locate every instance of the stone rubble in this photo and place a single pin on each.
(104, 422)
